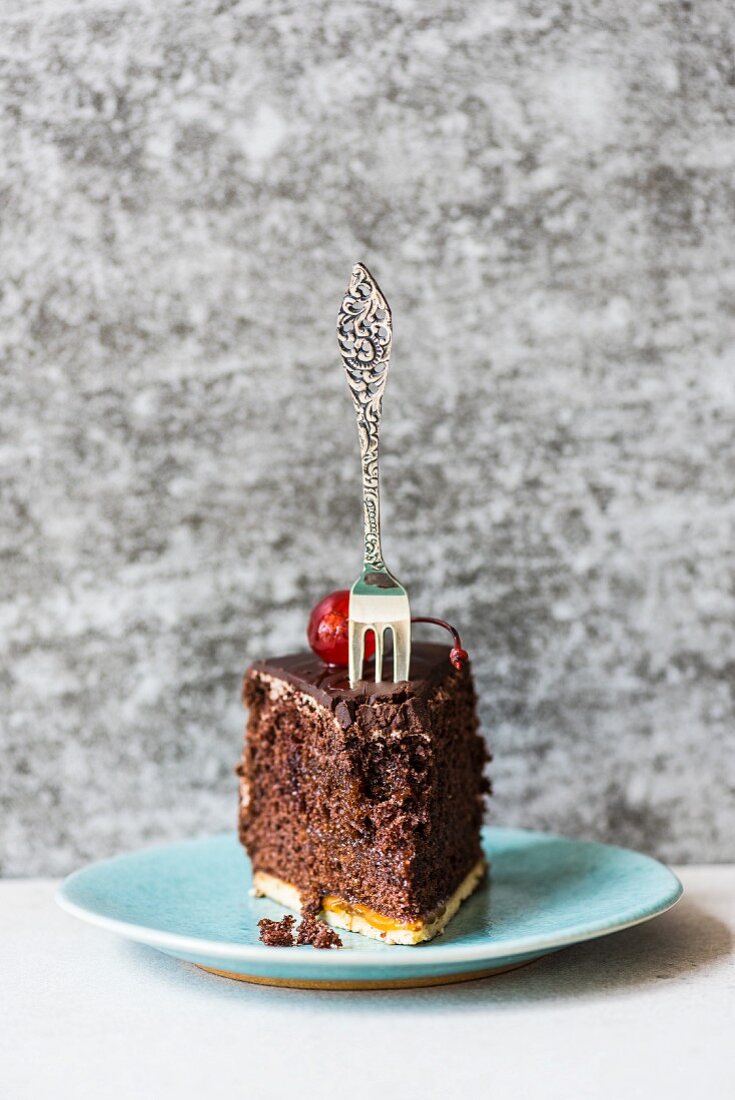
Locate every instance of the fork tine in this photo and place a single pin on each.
(356, 632)
(401, 650)
(379, 634)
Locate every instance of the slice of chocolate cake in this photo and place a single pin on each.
(364, 805)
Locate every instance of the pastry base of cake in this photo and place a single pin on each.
(359, 918)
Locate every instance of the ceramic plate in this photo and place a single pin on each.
(191, 900)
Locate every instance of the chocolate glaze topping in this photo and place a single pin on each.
(330, 686)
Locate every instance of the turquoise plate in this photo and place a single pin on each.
(191, 900)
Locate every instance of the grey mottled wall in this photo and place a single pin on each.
(546, 193)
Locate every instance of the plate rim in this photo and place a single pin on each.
(399, 956)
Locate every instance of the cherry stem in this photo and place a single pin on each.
(447, 626)
(458, 655)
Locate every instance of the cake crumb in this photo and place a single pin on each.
(313, 932)
(317, 933)
(277, 933)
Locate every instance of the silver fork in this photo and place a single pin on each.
(377, 601)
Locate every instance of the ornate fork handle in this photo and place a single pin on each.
(364, 334)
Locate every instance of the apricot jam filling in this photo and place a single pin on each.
(332, 904)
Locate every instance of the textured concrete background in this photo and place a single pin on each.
(546, 192)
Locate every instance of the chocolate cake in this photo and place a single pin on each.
(363, 805)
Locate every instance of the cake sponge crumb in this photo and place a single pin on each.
(317, 933)
(313, 932)
(277, 933)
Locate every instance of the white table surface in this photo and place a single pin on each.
(649, 1012)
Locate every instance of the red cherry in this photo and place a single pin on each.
(328, 632)
(458, 657)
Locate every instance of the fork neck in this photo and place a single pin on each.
(373, 557)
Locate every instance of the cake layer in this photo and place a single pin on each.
(339, 913)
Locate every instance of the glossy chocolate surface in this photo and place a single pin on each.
(330, 686)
